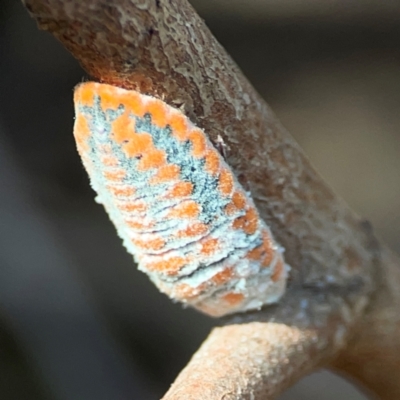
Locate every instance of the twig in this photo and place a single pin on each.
(339, 278)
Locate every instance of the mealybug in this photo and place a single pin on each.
(176, 203)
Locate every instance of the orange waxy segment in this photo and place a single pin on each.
(233, 298)
(118, 191)
(149, 244)
(115, 175)
(179, 126)
(133, 207)
(134, 104)
(225, 184)
(152, 159)
(248, 223)
(123, 128)
(268, 250)
(84, 94)
(209, 245)
(82, 131)
(138, 144)
(179, 190)
(186, 292)
(158, 113)
(187, 210)
(193, 230)
(165, 173)
(212, 162)
(256, 254)
(199, 143)
(108, 99)
(238, 203)
(136, 225)
(109, 161)
(170, 265)
(239, 200)
(223, 276)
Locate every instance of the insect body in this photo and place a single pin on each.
(175, 202)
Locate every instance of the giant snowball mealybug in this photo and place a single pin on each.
(176, 203)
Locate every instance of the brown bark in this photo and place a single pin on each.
(372, 356)
(337, 283)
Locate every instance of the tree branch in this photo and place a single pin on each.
(164, 49)
(373, 354)
(259, 355)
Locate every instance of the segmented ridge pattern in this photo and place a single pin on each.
(175, 202)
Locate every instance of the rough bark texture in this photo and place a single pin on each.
(162, 48)
(373, 354)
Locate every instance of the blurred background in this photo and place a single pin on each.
(77, 320)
